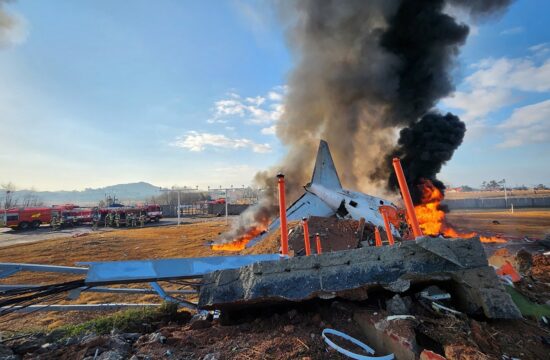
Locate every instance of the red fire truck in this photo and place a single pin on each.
(154, 212)
(72, 215)
(26, 218)
(33, 217)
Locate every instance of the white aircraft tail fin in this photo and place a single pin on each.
(325, 172)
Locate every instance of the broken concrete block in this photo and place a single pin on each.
(396, 337)
(398, 305)
(352, 274)
(430, 355)
(480, 291)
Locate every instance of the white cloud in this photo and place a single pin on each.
(478, 102)
(196, 141)
(228, 107)
(495, 83)
(521, 74)
(275, 96)
(540, 49)
(512, 31)
(269, 130)
(13, 27)
(259, 110)
(528, 124)
(257, 101)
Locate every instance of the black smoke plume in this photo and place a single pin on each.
(364, 71)
(424, 147)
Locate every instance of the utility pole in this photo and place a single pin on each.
(505, 194)
(179, 208)
(5, 222)
(226, 192)
(226, 206)
(179, 202)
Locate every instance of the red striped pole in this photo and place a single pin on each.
(387, 226)
(406, 197)
(377, 238)
(282, 214)
(318, 243)
(307, 245)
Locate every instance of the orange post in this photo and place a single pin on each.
(318, 243)
(307, 245)
(377, 238)
(387, 225)
(406, 197)
(282, 214)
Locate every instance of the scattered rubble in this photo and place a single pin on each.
(336, 234)
(294, 331)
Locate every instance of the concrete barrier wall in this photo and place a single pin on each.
(168, 211)
(213, 209)
(232, 209)
(481, 203)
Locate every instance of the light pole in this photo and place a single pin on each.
(6, 207)
(505, 194)
(170, 200)
(179, 208)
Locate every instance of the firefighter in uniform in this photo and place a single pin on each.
(142, 219)
(95, 220)
(117, 219)
(54, 223)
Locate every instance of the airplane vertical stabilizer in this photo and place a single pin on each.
(325, 172)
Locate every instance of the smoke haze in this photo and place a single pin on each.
(367, 77)
(12, 27)
(364, 71)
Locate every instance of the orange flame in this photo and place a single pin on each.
(432, 219)
(240, 242)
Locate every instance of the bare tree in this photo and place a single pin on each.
(9, 192)
(30, 199)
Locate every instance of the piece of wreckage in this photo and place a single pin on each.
(235, 283)
(325, 197)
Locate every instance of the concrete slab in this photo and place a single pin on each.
(352, 274)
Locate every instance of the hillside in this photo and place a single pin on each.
(139, 191)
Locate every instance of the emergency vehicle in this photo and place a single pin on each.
(71, 215)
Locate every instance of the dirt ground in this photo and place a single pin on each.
(190, 240)
(534, 223)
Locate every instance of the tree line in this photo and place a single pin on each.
(11, 200)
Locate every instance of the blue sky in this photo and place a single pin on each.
(100, 92)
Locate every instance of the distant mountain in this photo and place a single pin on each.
(125, 193)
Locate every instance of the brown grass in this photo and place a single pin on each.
(191, 240)
(148, 243)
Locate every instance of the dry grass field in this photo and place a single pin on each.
(148, 243)
(534, 223)
(191, 240)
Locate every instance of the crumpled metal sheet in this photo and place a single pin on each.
(165, 269)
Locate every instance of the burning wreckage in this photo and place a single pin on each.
(363, 250)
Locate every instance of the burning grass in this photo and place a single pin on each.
(432, 219)
(240, 242)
